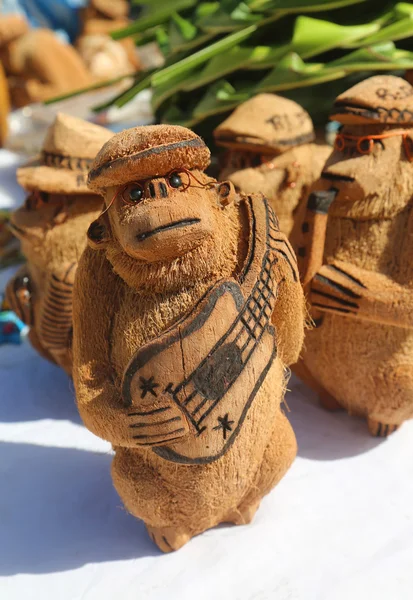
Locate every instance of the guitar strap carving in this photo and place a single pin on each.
(212, 363)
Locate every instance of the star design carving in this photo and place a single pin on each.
(225, 424)
(148, 386)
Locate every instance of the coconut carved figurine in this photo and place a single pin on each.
(187, 308)
(52, 226)
(356, 258)
(270, 148)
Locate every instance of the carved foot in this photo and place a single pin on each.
(168, 539)
(329, 402)
(244, 514)
(380, 429)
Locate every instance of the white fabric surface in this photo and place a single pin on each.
(339, 526)
(11, 194)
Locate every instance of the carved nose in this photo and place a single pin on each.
(156, 190)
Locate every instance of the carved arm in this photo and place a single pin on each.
(350, 291)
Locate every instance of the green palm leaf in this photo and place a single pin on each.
(314, 36)
(200, 57)
(217, 54)
(380, 56)
(292, 72)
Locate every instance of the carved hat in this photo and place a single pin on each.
(144, 152)
(266, 123)
(68, 151)
(380, 99)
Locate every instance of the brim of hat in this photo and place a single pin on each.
(152, 162)
(233, 142)
(365, 115)
(36, 176)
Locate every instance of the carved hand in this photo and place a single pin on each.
(350, 291)
(155, 422)
(155, 419)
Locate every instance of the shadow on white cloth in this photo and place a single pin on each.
(323, 435)
(60, 511)
(32, 388)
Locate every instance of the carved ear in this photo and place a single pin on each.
(226, 193)
(99, 233)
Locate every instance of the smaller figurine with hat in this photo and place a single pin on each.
(355, 258)
(270, 142)
(187, 310)
(51, 226)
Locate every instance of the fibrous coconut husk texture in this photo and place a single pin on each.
(284, 179)
(53, 238)
(52, 226)
(132, 287)
(360, 353)
(269, 141)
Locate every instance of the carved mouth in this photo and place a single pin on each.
(334, 177)
(184, 223)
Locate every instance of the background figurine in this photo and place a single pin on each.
(52, 227)
(270, 142)
(356, 258)
(187, 308)
(38, 65)
(105, 57)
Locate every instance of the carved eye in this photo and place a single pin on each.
(175, 180)
(365, 145)
(256, 160)
(339, 143)
(132, 193)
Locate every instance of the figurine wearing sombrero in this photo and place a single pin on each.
(356, 258)
(52, 227)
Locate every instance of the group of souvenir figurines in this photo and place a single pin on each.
(179, 305)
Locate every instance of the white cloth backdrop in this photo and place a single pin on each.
(339, 526)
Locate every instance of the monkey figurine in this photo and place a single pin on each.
(270, 148)
(356, 259)
(187, 310)
(52, 226)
